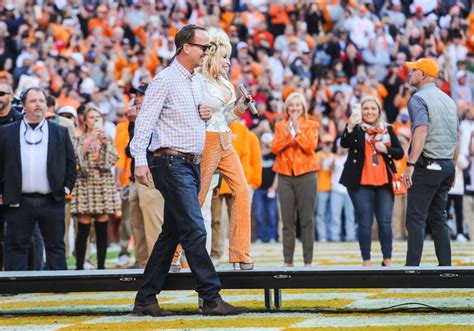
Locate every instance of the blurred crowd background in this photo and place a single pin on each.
(92, 53)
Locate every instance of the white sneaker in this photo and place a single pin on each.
(123, 261)
(461, 238)
(288, 265)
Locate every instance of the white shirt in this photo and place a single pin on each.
(221, 99)
(34, 158)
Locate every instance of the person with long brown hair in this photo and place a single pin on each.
(94, 196)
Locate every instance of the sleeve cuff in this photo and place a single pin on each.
(141, 161)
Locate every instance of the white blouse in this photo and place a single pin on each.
(215, 96)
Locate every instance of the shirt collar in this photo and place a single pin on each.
(38, 127)
(182, 70)
(427, 85)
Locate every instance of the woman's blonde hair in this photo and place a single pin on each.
(86, 112)
(372, 98)
(220, 46)
(296, 97)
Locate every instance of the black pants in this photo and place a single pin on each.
(34, 209)
(427, 200)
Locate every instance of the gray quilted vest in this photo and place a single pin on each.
(443, 123)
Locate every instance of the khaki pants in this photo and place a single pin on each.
(125, 228)
(67, 223)
(469, 215)
(399, 217)
(146, 210)
(218, 227)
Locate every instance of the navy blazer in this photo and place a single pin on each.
(61, 162)
(355, 141)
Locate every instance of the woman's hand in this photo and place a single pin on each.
(101, 135)
(380, 147)
(354, 120)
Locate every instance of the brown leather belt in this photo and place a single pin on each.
(194, 158)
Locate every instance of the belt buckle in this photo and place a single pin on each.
(197, 159)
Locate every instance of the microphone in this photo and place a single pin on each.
(246, 95)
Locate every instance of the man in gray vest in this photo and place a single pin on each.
(430, 166)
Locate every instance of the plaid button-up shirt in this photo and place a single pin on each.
(171, 107)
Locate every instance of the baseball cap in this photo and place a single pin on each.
(140, 89)
(67, 110)
(427, 65)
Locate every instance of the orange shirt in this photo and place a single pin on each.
(123, 163)
(373, 175)
(255, 179)
(295, 156)
(240, 141)
(324, 176)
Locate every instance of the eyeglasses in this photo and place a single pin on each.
(204, 48)
(2, 93)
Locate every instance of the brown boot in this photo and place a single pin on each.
(220, 307)
(152, 309)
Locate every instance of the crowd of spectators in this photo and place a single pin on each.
(91, 53)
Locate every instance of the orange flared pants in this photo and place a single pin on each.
(220, 154)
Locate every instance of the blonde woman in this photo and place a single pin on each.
(94, 196)
(218, 151)
(294, 145)
(373, 146)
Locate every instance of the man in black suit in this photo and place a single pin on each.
(37, 168)
(8, 114)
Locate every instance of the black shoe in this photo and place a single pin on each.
(152, 309)
(220, 307)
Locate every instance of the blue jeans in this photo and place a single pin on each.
(342, 202)
(266, 215)
(321, 214)
(42, 211)
(369, 201)
(179, 181)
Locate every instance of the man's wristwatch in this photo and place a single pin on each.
(410, 164)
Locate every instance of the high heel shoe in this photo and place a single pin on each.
(243, 265)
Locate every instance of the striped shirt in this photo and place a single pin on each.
(171, 107)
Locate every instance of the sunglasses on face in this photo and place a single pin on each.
(2, 93)
(204, 48)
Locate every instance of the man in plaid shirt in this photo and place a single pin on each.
(173, 106)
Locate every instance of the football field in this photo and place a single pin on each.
(312, 309)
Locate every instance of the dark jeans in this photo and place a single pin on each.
(178, 181)
(427, 199)
(36, 250)
(266, 215)
(49, 215)
(369, 201)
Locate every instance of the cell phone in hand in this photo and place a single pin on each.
(357, 109)
(99, 123)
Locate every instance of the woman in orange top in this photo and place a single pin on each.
(373, 146)
(294, 145)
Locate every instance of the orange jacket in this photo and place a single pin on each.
(295, 156)
(255, 179)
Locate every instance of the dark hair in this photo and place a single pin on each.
(50, 101)
(186, 35)
(25, 93)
